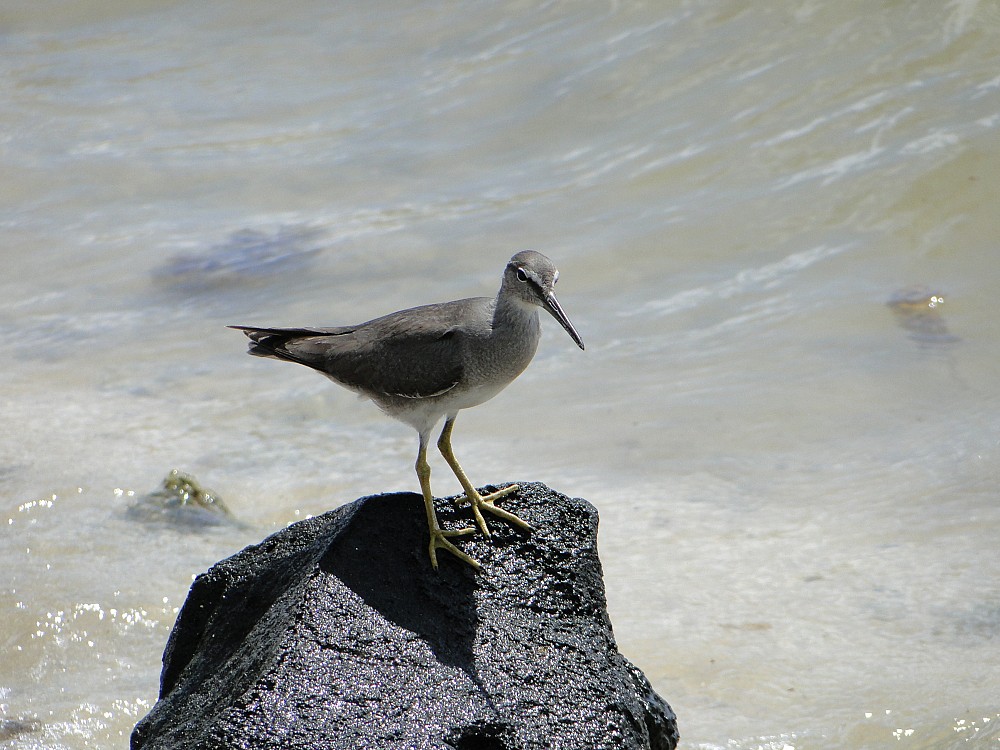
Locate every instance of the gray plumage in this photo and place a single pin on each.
(428, 362)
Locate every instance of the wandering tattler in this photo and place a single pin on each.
(428, 362)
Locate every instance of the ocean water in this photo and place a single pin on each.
(778, 235)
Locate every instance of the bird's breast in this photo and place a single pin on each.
(494, 361)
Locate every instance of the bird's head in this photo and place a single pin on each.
(530, 277)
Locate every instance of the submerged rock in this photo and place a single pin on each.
(336, 633)
(246, 254)
(181, 500)
(918, 311)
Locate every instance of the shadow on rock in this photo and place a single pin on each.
(438, 607)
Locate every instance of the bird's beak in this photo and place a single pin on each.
(553, 306)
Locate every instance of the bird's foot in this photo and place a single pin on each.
(487, 502)
(439, 540)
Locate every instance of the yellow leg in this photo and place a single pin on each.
(479, 502)
(439, 538)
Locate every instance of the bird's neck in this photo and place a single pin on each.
(511, 316)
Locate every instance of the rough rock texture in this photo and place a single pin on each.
(336, 633)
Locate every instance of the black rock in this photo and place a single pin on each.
(337, 633)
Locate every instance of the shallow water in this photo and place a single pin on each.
(797, 482)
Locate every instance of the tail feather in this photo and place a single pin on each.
(273, 342)
(267, 342)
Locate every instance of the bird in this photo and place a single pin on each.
(424, 363)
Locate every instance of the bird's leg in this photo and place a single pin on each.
(479, 502)
(439, 538)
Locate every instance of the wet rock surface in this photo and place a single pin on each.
(336, 633)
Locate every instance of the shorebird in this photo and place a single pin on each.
(424, 363)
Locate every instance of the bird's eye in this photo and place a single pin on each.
(521, 275)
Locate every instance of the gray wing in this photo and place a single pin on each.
(415, 353)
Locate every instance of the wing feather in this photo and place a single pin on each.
(417, 353)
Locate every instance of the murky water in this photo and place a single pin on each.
(795, 461)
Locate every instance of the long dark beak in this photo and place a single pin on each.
(553, 306)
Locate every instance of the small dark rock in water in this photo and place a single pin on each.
(12, 728)
(918, 310)
(336, 633)
(245, 254)
(180, 499)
